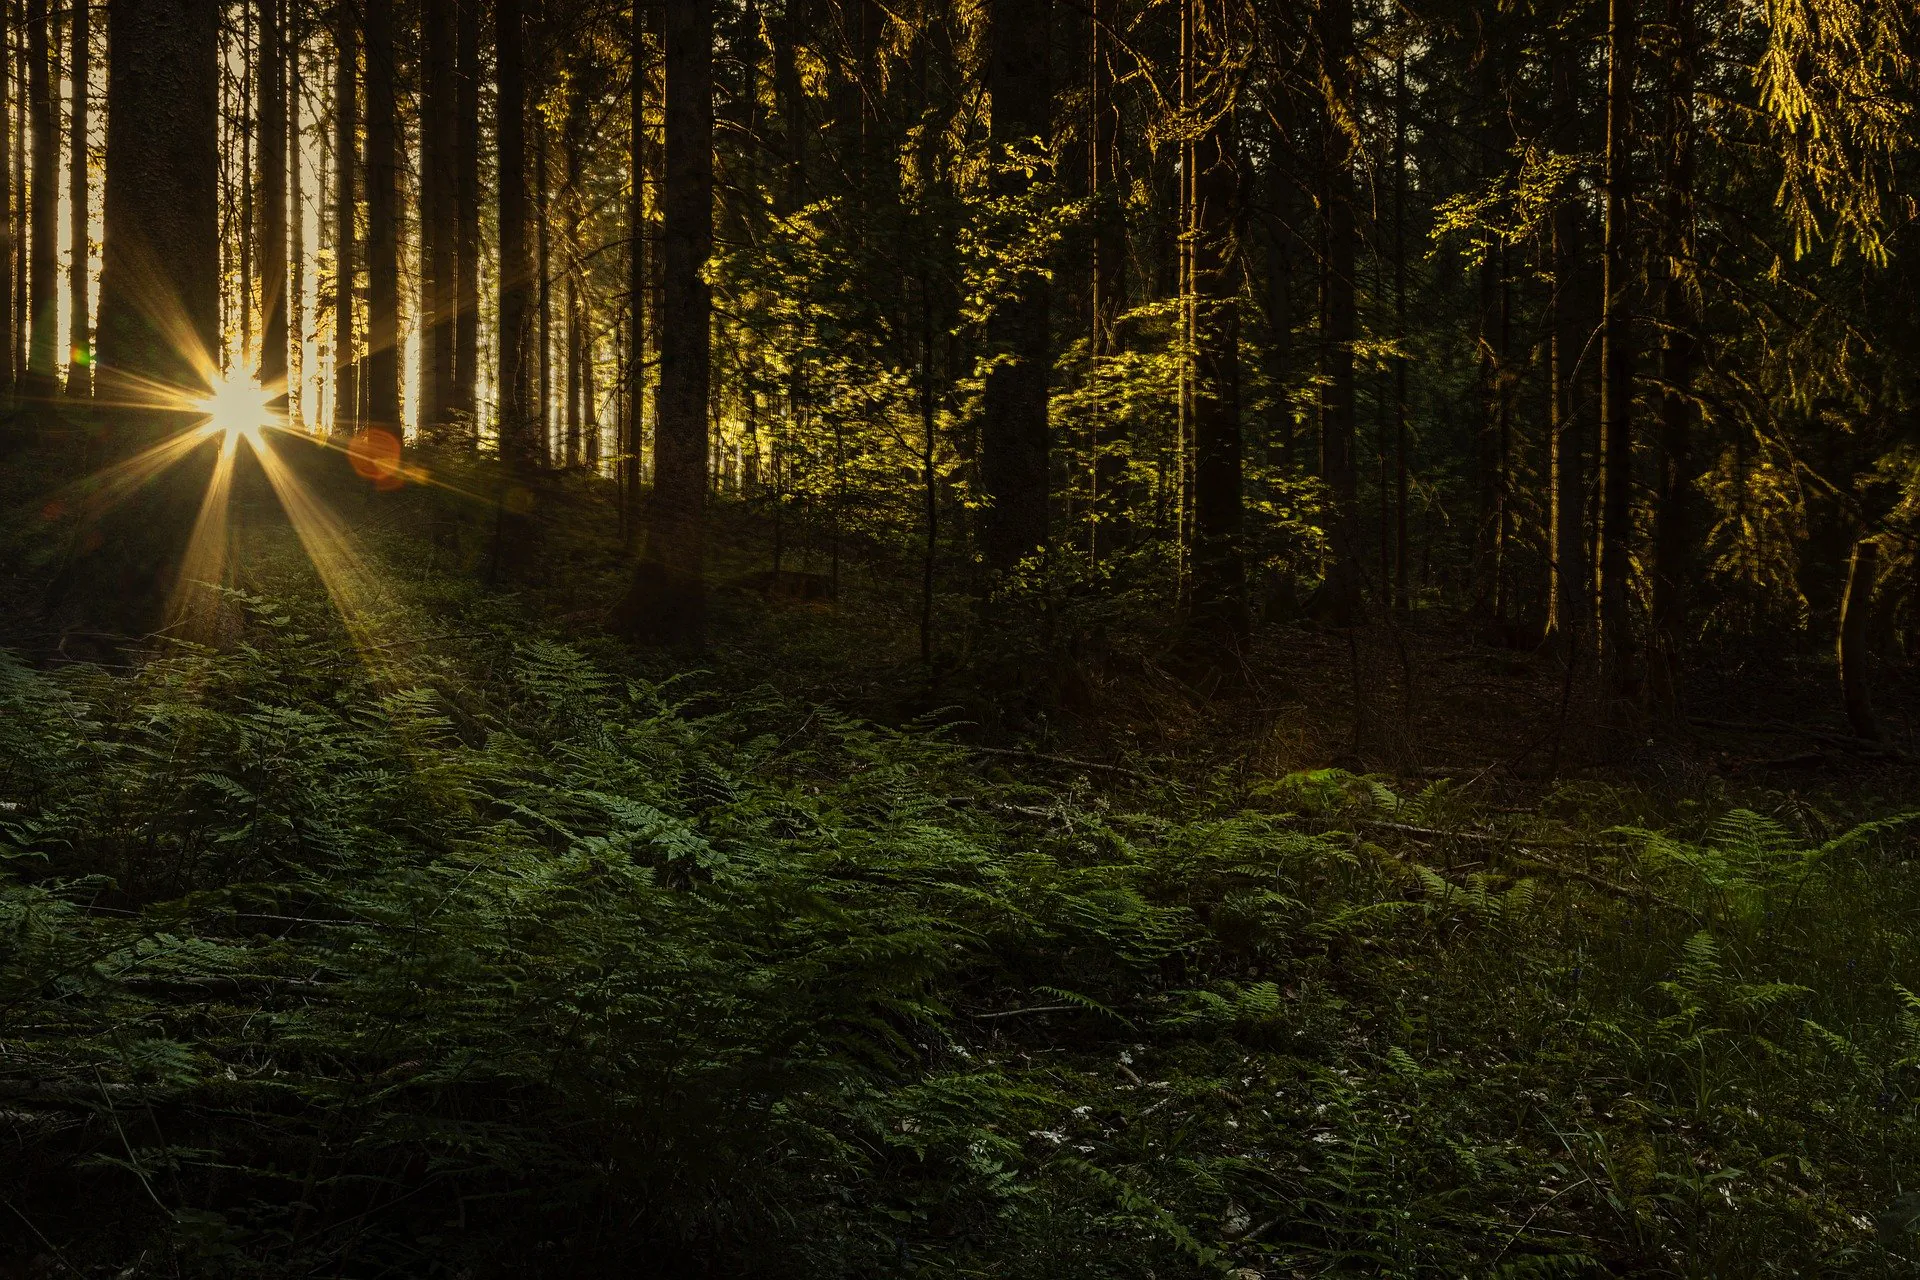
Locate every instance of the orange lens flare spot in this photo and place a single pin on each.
(375, 456)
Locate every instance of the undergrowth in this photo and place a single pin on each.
(507, 963)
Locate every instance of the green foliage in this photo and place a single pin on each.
(519, 965)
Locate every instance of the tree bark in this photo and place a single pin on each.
(1401, 550)
(43, 338)
(439, 233)
(346, 136)
(667, 599)
(1616, 411)
(1567, 590)
(637, 255)
(1014, 440)
(573, 207)
(518, 442)
(79, 292)
(466, 304)
(383, 223)
(9, 203)
(1671, 535)
(272, 203)
(1341, 316)
(1219, 599)
(160, 282)
(1108, 505)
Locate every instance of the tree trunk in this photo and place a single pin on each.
(22, 308)
(1341, 318)
(43, 338)
(1014, 431)
(1219, 600)
(667, 599)
(1616, 411)
(383, 223)
(346, 135)
(466, 303)
(1567, 590)
(159, 290)
(294, 36)
(79, 299)
(636, 277)
(9, 203)
(1671, 534)
(573, 205)
(1401, 550)
(1107, 509)
(543, 283)
(161, 269)
(439, 234)
(1856, 609)
(519, 444)
(272, 203)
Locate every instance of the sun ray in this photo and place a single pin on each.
(193, 608)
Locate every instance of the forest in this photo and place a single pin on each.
(1252, 639)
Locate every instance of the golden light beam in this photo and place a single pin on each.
(357, 593)
(193, 609)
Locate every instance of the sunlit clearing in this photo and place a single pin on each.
(238, 406)
(194, 608)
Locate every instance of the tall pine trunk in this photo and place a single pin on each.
(439, 234)
(79, 327)
(159, 320)
(160, 277)
(1616, 408)
(1567, 591)
(383, 222)
(1014, 432)
(1340, 320)
(518, 443)
(637, 255)
(1402, 552)
(1671, 533)
(667, 600)
(1108, 505)
(466, 304)
(346, 141)
(272, 202)
(8, 204)
(1219, 604)
(43, 290)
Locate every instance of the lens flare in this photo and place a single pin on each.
(237, 405)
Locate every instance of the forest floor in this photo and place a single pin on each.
(467, 940)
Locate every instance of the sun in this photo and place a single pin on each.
(237, 406)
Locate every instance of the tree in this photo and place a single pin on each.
(79, 275)
(439, 229)
(1617, 358)
(666, 601)
(1014, 434)
(1567, 591)
(519, 441)
(160, 272)
(383, 222)
(466, 305)
(346, 139)
(271, 201)
(1219, 605)
(1339, 319)
(43, 338)
(1672, 535)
